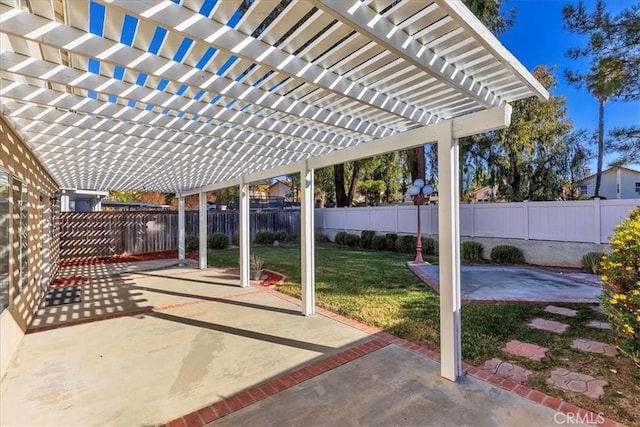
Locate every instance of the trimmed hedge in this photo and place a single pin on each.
(366, 236)
(406, 244)
(281, 236)
(265, 238)
(377, 242)
(506, 254)
(429, 246)
(471, 251)
(352, 240)
(340, 236)
(217, 241)
(390, 241)
(191, 243)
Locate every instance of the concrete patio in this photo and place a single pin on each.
(177, 340)
(517, 284)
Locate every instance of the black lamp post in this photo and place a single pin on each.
(420, 194)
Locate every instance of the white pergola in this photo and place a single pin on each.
(190, 96)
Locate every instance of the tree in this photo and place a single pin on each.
(344, 194)
(626, 141)
(490, 13)
(123, 196)
(613, 51)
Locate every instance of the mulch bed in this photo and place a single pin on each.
(126, 258)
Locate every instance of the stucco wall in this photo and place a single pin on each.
(21, 164)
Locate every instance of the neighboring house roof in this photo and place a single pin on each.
(606, 171)
(281, 181)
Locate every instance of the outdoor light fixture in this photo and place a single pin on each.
(420, 193)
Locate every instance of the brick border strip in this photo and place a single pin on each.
(507, 384)
(275, 385)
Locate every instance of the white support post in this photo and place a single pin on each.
(245, 234)
(202, 229)
(449, 237)
(307, 242)
(64, 202)
(181, 232)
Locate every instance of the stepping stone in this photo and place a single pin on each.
(599, 325)
(594, 347)
(523, 349)
(597, 309)
(506, 370)
(578, 383)
(549, 325)
(561, 310)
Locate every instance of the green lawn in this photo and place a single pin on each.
(376, 288)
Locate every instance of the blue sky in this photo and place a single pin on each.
(538, 38)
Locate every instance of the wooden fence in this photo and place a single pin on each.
(104, 234)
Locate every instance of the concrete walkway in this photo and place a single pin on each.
(506, 283)
(205, 348)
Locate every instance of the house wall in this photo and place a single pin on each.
(24, 295)
(628, 180)
(609, 187)
(279, 190)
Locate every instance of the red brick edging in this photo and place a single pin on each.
(380, 339)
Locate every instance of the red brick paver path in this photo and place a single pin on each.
(549, 325)
(561, 310)
(506, 370)
(523, 349)
(594, 347)
(579, 383)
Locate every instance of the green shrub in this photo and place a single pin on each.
(265, 238)
(191, 243)
(621, 290)
(217, 241)
(591, 262)
(506, 254)
(281, 236)
(471, 251)
(340, 236)
(322, 238)
(352, 240)
(406, 244)
(365, 238)
(429, 246)
(377, 242)
(236, 239)
(390, 241)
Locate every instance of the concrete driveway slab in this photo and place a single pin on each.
(506, 283)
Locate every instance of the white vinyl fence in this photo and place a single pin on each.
(588, 221)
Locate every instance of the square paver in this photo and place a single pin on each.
(548, 325)
(561, 310)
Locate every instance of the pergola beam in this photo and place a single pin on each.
(471, 124)
(22, 24)
(387, 34)
(228, 40)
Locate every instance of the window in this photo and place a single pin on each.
(583, 190)
(638, 187)
(20, 229)
(4, 239)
